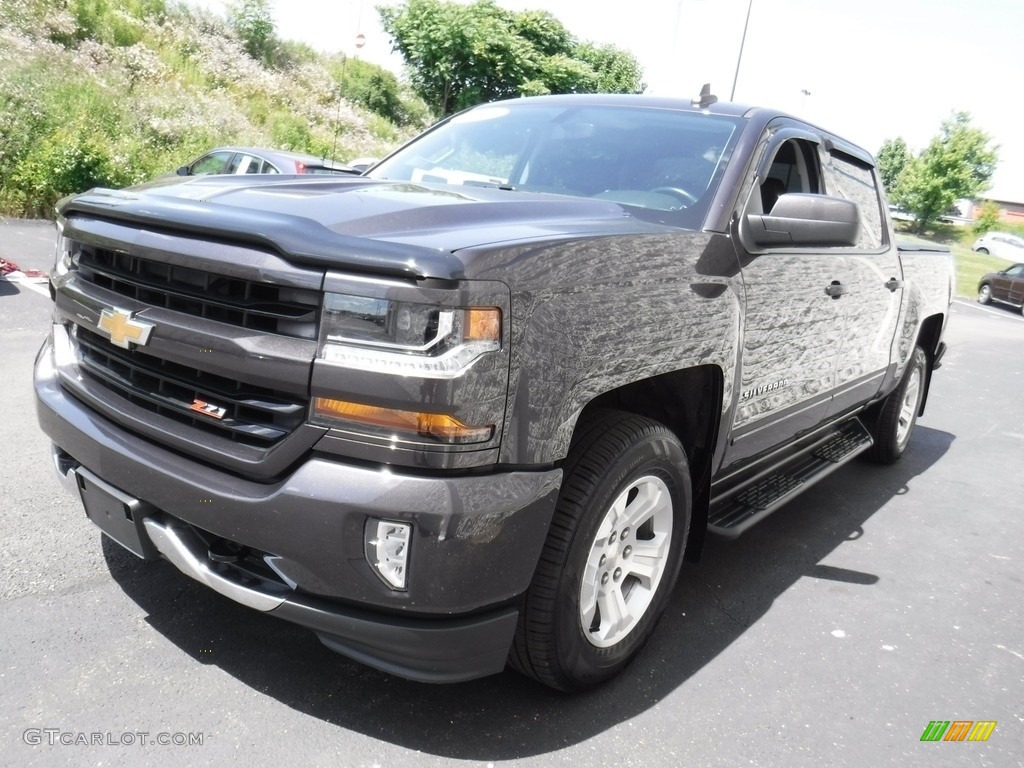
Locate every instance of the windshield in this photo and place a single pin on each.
(662, 164)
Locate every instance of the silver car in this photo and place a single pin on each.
(241, 160)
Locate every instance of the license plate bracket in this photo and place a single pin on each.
(118, 514)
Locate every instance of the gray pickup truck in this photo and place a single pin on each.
(476, 406)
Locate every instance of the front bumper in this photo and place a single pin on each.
(476, 540)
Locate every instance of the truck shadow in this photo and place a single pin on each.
(507, 716)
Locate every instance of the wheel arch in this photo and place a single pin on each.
(689, 403)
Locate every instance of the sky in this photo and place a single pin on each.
(867, 70)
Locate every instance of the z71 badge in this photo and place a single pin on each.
(208, 409)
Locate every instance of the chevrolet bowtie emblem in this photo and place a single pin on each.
(123, 330)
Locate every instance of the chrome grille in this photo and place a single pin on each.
(252, 415)
(244, 303)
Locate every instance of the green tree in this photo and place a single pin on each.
(617, 70)
(543, 31)
(892, 159)
(958, 163)
(461, 55)
(254, 25)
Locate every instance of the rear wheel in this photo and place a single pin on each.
(898, 414)
(612, 555)
(984, 294)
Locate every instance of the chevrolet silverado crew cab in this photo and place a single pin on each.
(476, 406)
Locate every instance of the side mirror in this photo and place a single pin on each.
(183, 171)
(806, 220)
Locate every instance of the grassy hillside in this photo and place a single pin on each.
(114, 92)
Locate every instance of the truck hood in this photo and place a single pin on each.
(413, 230)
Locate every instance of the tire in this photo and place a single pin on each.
(984, 294)
(983, 251)
(612, 555)
(898, 413)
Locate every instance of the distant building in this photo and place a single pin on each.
(1010, 211)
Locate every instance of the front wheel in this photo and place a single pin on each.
(612, 555)
(984, 294)
(898, 413)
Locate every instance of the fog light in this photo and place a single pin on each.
(387, 550)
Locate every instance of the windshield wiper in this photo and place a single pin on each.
(488, 185)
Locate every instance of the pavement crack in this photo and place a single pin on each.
(721, 607)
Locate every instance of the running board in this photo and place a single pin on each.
(752, 500)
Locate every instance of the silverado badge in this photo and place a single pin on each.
(122, 329)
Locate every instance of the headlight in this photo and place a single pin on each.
(405, 369)
(65, 257)
(403, 338)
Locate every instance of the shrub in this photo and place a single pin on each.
(372, 87)
(290, 132)
(987, 218)
(64, 162)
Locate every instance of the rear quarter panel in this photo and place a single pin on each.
(928, 274)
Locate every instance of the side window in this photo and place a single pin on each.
(856, 181)
(794, 168)
(1016, 270)
(212, 163)
(245, 164)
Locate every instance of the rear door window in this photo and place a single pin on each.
(856, 181)
(243, 163)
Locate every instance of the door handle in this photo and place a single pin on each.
(892, 284)
(835, 289)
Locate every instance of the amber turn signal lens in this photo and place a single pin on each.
(483, 324)
(437, 425)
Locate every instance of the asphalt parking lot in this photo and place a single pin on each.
(831, 634)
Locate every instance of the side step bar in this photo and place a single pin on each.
(746, 503)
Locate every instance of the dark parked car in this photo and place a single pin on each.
(242, 160)
(1006, 287)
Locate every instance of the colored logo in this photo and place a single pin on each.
(122, 329)
(208, 409)
(958, 730)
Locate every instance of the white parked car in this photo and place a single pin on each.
(1001, 244)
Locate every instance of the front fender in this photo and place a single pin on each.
(591, 316)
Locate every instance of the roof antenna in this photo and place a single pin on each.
(341, 99)
(706, 98)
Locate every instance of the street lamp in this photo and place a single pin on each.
(739, 57)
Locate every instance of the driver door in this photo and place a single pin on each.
(792, 329)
